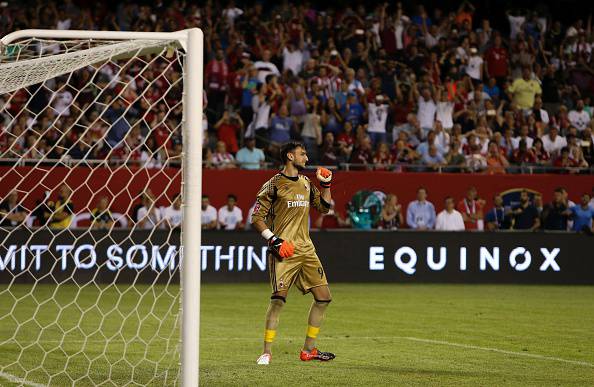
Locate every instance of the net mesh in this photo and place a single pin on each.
(90, 165)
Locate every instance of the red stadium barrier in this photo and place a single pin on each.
(90, 184)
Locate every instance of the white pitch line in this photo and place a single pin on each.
(525, 354)
(15, 379)
(409, 338)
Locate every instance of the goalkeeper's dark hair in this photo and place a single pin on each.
(289, 147)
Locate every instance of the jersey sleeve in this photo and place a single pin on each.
(316, 200)
(264, 201)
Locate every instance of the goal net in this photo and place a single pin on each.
(92, 166)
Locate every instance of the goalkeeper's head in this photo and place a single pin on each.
(293, 153)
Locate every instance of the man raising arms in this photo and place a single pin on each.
(281, 215)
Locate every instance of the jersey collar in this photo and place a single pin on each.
(290, 177)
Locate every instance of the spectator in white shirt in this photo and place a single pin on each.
(62, 99)
(552, 142)
(516, 24)
(64, 21)
(221, 159)
(524, 130)
(474, 68)
(442, 138)
(353, 83)
(478, 95)
(149, 215)
(230, 216)
(540, 114)
(265, 67)
(293, 57)
(579, 117)
(445, 111)
(378, 116)
(449, 219)
(426, 110)
(172, 215)
(209, 214)
(232, 12)
(261, 107)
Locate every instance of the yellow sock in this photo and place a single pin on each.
(312, 331)
(269, 335)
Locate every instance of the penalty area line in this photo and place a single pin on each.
(497, 350)
(438, 342)
(20, 381)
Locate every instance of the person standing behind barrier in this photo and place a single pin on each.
(420, 214)
(449, 219)
(471, 210)
(555, 215)
(497, 218)
(209, 214)
(391, 217)
(230, 216)
(11, 212)
(250, 157)
(525, 215)
(582, 215)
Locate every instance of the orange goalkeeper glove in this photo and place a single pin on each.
(325, 177)
(280, 248)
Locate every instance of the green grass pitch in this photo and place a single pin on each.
(487, 335)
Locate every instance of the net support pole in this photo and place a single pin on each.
(192, 194)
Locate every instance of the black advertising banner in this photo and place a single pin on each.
(149, 256)
(82, 256)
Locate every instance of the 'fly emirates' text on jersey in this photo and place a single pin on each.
(283, 204)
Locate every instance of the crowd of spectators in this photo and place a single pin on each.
(61, 213)
(379, 86)
(469, 213)
(391, 88)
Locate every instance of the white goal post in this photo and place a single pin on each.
(47, 54)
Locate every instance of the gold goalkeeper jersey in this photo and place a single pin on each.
(283, 204)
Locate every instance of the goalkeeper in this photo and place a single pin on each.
(281, 215)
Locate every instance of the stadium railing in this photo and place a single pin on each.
(528, 169)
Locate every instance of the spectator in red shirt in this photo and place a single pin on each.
(523, 155)
(362, 154)
(330, 154)
(564, 161)
(471, 210)
(542, 156)
(387, 32)
(497, 58)
(346, 141)
(464, 15)
(228, 128)
(215, 78)
(383, 159)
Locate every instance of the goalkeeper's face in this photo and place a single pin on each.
(299, 158)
